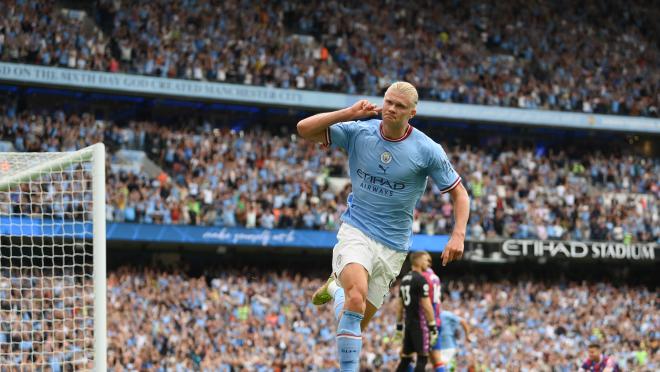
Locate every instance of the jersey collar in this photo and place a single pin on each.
(405, 135)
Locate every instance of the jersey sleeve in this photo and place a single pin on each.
(429, 281)
(340, 134)
(441, 170)
(422, 286)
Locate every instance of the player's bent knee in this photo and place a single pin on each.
(354, 278)
(356, 299)
(353, 274)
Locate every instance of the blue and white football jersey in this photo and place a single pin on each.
(388, 178)
(450, 323)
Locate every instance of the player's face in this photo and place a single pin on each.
(594, 354)
(420, 262)
(397, 107)
(426, 262)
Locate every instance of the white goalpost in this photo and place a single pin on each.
(52, 261)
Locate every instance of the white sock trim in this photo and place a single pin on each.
(332, 288)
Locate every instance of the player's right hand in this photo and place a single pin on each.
(363, 108)
(453, 250)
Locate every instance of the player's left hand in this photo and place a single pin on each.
(453, 250)
(433, 334)
(398, 335)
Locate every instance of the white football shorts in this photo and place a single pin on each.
(382, 263)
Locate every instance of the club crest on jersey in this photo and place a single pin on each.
(386, 157)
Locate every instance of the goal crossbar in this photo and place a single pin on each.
(60, 162)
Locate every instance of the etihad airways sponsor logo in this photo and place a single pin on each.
(573, 249)
(378, 184)
(380, 180)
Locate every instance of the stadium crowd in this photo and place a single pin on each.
(272, 323)
(231, 320)
(254, 178)
(594, 57)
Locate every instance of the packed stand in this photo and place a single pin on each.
(38, 32)
(214, 177)
(266, 322)
(234, 178)
(255, 178)
(594, 57)
(529, 325)
(239, 320)
(526, 193)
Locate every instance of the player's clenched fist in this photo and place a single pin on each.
(363, 108)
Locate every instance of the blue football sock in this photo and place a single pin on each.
(339, 302)
(411, 367)
(349, 341)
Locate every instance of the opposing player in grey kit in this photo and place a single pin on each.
(389, 163)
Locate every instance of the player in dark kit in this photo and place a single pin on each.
(420, 330)
(599, 362)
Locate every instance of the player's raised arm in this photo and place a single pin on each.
(314, 127)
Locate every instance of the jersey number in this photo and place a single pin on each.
(405, 294)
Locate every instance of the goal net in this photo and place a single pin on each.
(52, 261)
